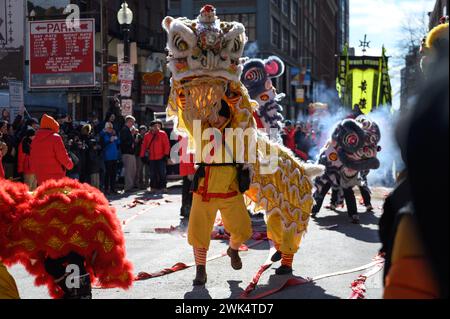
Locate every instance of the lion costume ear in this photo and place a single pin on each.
(166, 23)
(274, 67)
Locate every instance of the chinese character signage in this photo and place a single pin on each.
(62, 56)
(364, 82)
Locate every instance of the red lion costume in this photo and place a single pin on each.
(61, 217)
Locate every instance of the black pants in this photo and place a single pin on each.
(319, 197)
(350, 201)
(57, 267)
(158, 174)
(365, 193)
(335, 197)
(186, 198)
(349, 196)
(110, 176)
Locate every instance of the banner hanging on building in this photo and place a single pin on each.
(12, 16)
(62, 56)
(364, 82)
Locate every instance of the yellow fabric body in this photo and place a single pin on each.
(287, 241)
(222, 180)
(285, 191)
(8, 288)
(203, 214)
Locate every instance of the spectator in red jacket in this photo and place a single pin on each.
(24, 163)
(187, 171)
(289, 140)
(156, 146)
(3, 150)
(49, 158)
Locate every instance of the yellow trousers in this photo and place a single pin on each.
(287, 241)
(8, 288)
(234, 215)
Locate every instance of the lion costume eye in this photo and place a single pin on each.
(237, 45)
(351, 139)
(180, 44)
(254, 74)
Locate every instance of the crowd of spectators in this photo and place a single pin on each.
(104, 154)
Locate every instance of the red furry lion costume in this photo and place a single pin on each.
(61, 217)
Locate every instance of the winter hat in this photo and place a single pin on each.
(49, 123)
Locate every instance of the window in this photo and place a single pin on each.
(285, 44)
(294, 47)
(285, 7)
(276, 32)
(294, 12)
(276, 3)
(247, 19)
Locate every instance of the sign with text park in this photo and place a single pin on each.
(62, 56)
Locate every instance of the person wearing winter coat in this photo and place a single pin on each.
(48, 156)
(24, 162)
(3, 150)
(95, 159)
(110, 144)
(156, 143)
(127, 146)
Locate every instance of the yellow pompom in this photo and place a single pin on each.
(438, 32)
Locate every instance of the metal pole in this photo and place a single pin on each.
(126, 43)
(105, 54)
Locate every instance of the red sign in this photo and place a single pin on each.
(152, 83)
(62, 56)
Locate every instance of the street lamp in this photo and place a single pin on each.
(125, 18)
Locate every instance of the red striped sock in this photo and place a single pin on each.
(287, 260)
(200, 256)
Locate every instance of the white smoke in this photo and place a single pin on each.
(390, 156)
(252, 50)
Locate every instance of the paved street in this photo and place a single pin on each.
(323, 251)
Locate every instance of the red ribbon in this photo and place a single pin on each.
(174, 268)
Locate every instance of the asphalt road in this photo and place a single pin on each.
(332, 244)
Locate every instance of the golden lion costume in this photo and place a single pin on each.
(205, 58)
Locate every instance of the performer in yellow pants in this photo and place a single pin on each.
(216, 188)
(286, 243)
(8, 288)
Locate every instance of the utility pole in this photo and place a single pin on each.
(105, 55)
